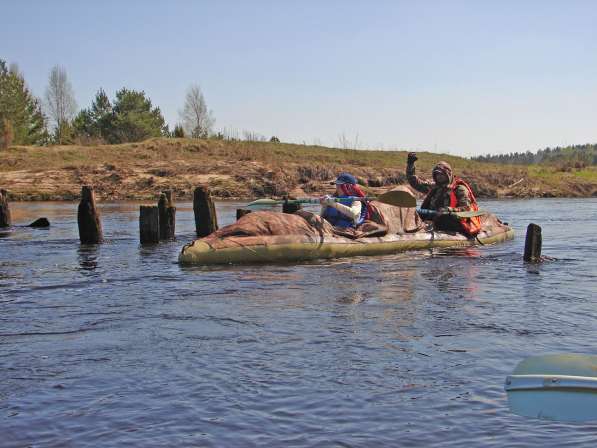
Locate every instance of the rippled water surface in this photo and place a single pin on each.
(118, 345)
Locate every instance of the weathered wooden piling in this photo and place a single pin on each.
(149, 224)
(240, 212)
(88, 218)
(5, 220)
(532, 243)
(167, 216)
(206, 221)
(289, 207)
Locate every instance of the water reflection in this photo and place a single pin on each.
(148, 249)
(472, 252)
(440, 277)
(352, 299)
(88, 255)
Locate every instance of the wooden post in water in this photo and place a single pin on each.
(289, 207)
(532, 243)
(149, 224)
(241, 212)
(88, 218)
(206, 221)
(5, 220)
(167, 216)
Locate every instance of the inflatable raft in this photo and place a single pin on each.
(270, 237)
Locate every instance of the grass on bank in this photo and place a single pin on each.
(233, 157)
(196, 150)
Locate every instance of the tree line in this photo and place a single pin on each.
(578, 156)
(129, 117)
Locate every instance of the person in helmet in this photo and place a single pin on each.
(348, 213)
(445, 194)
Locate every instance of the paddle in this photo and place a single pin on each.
(555, 387)
(431, 213)
(397, 198)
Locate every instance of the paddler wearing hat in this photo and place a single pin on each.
(349, 212)
(445, 194)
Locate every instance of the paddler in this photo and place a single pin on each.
(445, 194)
(348, 213)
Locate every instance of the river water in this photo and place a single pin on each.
(118, 345)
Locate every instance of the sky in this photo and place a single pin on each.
(459, 77)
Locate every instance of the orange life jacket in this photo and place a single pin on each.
(471, 226)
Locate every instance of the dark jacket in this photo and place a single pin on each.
(438, 196)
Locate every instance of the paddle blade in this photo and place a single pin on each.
(398, 198)
(470, 214)
(266, 202)
(555, 387)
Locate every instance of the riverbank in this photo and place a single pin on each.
(238, 169)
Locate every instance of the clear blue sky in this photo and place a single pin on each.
(465, 77)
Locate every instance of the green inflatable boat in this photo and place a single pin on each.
(270, 237)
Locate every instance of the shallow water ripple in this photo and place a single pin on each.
(118, 345)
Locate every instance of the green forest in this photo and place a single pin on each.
(574, 156)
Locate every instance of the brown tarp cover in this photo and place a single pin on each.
(273, 236)
(385, 219)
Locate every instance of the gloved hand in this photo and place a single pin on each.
(327, 200)
(412, 158)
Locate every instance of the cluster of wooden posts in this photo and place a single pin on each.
(156, 222)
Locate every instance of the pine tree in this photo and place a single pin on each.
(178, 131)
(134, 118)
(95, 122)
(20, 109)
(131, 118)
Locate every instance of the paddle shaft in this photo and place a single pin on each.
(316, 200)
(305, 201)
(432, 213)
(396, 198)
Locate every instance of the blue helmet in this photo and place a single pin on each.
(345, 178)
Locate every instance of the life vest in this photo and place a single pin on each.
(337, 219)
(471, 226)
